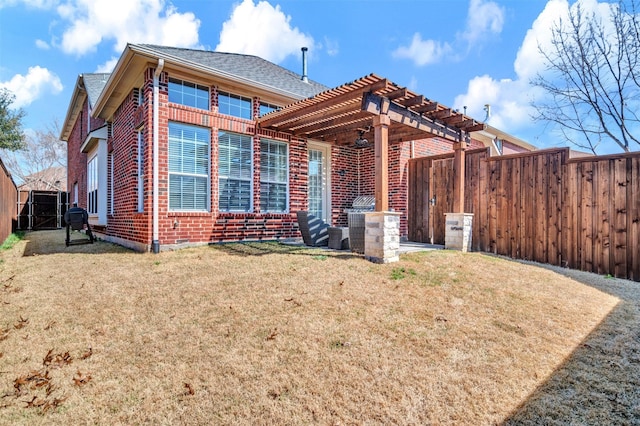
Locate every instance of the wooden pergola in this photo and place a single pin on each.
(394, 113)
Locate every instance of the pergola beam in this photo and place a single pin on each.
(432, 106)
(445, 113)
(377, 105)
(416, 100)
(399, 93)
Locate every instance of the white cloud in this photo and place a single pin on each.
(41, 44)
(271, 36)
(332, 46)
(413, 83)
(510, 99)
(91, 22)
(28, 88)
(422, 52)
(483, 18)
(108, 66)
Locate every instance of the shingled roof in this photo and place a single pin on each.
(93, 84)
(249, 67)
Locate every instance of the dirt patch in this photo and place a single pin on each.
(273, 334)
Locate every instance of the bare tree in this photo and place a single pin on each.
(41, 162)
(592, 77)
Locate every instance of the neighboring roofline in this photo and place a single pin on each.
(132, 50)
(484, 138)
(75, 104)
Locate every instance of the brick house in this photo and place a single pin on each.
(226, 165)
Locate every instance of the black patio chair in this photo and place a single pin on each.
(315, 231)
(77, 219)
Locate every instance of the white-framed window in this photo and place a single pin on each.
(266, 108)
(92, 185)
(274, 176)
(234, 105)
(140, 172)
(235, 171)
(188, 167)
(189, 94)
(75, 194)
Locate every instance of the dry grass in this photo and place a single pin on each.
(273, 334)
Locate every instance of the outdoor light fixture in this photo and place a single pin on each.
(361, 142)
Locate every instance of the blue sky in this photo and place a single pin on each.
(457, 52)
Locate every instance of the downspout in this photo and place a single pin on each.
(155, 244)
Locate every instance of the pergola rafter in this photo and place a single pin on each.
(396, 114)
(318, 117)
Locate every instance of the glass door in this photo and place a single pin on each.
(318, 195)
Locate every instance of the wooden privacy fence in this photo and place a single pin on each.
(582, 213)
(8, 200)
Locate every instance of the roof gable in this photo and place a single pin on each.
(88, 87)
(94, 84)
(252, 72)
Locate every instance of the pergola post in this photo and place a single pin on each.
(458, 223)
(382, 227)
(458, 176)
(381, 150)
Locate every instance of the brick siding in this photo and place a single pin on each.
(352, 174)
(76, 160)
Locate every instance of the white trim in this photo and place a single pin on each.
(93, 138)
(155, 242)
(111, 184)
(326, 176)
(287, 201)
(99, 153)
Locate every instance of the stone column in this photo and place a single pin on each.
(457, 234)
(382, 237)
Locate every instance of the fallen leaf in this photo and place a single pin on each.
(190, 390)
(87, 354)
(22, 322)
(273, 334)
(81, 379)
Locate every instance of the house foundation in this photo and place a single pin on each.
(382, 237)
(457, 234)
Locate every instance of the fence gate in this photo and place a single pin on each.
(41, 209)
(429, 198)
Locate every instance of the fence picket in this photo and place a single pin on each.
(544, 206)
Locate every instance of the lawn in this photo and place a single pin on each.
(265, 333)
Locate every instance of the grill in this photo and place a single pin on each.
(355, 218)
(363, 204)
